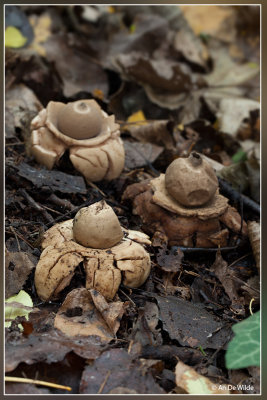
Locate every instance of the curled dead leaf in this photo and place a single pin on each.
(194, 383)
(254, 237)
(156, 132)
(86, 313)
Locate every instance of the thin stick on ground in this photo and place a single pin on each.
(36, 382)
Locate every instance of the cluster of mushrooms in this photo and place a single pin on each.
(183, 206)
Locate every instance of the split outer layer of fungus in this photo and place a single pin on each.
(184, 205)
(92, 137)
(122, 258)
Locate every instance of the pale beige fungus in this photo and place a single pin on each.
(120, 259)
(86, 115)
(191, 181)
(183, 207)
(92, 137)
(97, 226)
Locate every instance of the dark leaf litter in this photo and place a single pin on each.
(132, 59)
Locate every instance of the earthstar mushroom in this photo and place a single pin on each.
(120, 259)
(191, 181)
(92, 137)
(184, 206)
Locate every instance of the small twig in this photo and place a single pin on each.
(61, 202)
(35, 205)
(203, 249)
(239, 259)
(208, 300)
(36, 382)
(14, 144)
(128, 297)
(241, 214)
(16, 237)
(103, 383)
(22, 238)
(69, 213)
(50, 209)
(234, 194)
(93, 185)
(244, 283)
(130, 346)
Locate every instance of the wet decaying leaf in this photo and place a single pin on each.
(157, 132)
(18, 266)
(227, 278)
(116, 368)
(35, 72)
(166, 82)
(66, 372)
(191, 325)
(21, 105)
(111, 312)
(170, 261)
(140, 154)
(79, 316)
(144, 329)
(251, 290)
(78, 72)
(169, 354)
(54, 180)
(232, 112)
(49, 347)
(169, 77)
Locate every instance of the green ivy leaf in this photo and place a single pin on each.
(244, 349)
(12, 312)
(14, 38)
(240, 155)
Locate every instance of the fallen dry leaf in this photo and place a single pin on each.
(111, 312)
(42, 31)
(170, 260)
(49, 346)
(233, 111)
(21, 105)
(144, 328)
(190, 324)
(218, 21)
(140, 154)
(116, 368)
(154, 132)
(194, 383)
(35, 72)
(159, 77)
(78, 72)
(18, 266)
(79, 315)
(55, 180)
(231, 286)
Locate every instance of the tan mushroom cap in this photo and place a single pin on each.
(97, 226)
(214, 208)
(191, 181)
(80, 119)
